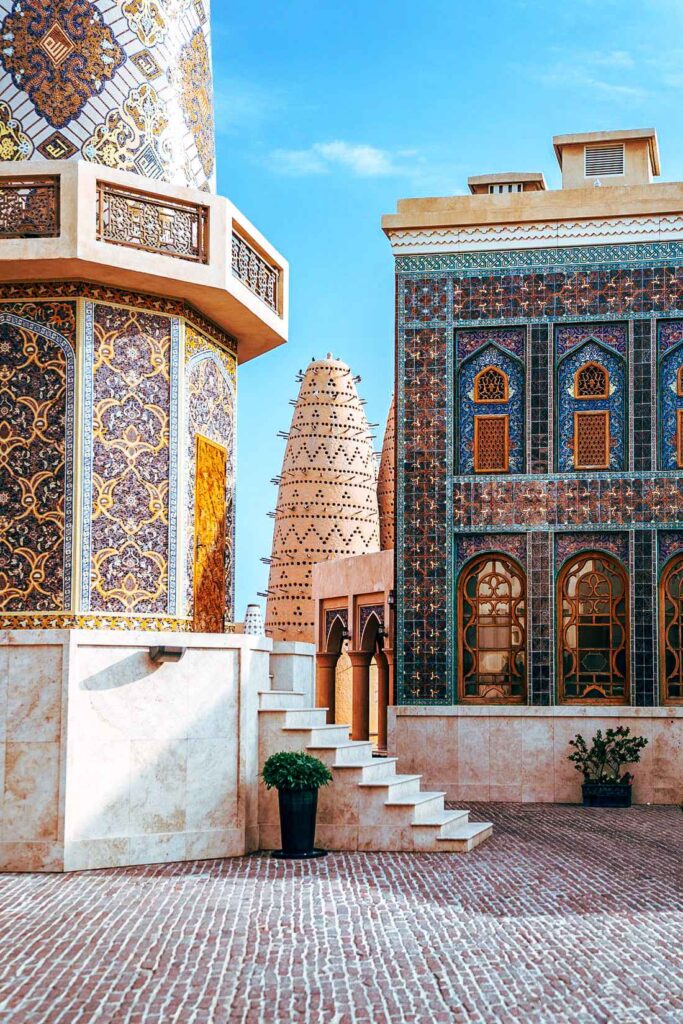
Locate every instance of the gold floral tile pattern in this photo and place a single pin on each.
(210, 374)
(130, 468)
(60, 54)
(14, 143)
(36, 457)
(76, 82)
(197, 97)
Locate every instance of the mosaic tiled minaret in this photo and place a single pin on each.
(386, 484)
(327, 497)
(128, 293)
(124, 83)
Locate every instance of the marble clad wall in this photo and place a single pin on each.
(110, 759)
(124, 83)
(520, 754)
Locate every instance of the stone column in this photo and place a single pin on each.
(382, 699)
(389, 656)
(360, 721)
(325, 665)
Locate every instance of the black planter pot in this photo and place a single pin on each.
(298, 809)
(606, 794)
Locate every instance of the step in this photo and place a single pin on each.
(424, 806)
(351, 753)
(306, 718)
(466, 838)
(281, 700)
(445, 824)
(395, 786)
(375, 770)
(320, 735)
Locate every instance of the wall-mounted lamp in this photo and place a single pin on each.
(159, 655)
(345, 635)
(391, 599)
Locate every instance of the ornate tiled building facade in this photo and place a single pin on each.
(580, 351)
(124, 83)
(98, 424)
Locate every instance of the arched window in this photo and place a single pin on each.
(491, 385)
(592, 605)
(492, 631)
(591, 381)
(671, 631)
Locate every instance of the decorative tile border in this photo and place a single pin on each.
(599, 501)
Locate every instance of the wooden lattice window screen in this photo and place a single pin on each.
(592, 608)
(491, 444)
(671, 631)
(591, 440)
(591, 381)
(491, 385)
(679, 382)
(492, 631)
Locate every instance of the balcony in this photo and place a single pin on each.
(29, 207)
(88, 222)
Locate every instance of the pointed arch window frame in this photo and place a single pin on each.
(590, 364)
(559, 437)
(506, 386)
(466, 571)
(672, 566)
(625, 626)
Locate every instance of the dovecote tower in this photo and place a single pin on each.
(327, 496)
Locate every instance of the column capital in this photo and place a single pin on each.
(360, 658)
(327, 659)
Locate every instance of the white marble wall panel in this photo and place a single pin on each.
(110, 759)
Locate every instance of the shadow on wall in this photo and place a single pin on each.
(154, 759)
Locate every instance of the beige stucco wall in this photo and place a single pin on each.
(342, 581)
(109, 759)
(636, 165)
(520, 754)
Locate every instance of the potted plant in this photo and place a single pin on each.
(297, 778)
(601, 764)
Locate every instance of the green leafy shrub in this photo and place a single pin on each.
(292, 771)
(606, 756)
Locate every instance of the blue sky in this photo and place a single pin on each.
(329, 112)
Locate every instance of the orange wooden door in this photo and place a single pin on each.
(209, 537)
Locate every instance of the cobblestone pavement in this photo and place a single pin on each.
(565, 915)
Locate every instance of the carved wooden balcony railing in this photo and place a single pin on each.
(260, 276)
(29, 207)
(140, 220)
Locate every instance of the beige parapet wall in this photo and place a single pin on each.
(110, 759)
(520, 754)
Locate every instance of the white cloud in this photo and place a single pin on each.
(361, 160)
(609, 74)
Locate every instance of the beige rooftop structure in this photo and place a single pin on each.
(608, 158)
(510, 181)
(327, 497)
(585, 210)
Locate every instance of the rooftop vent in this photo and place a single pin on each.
(603, 160)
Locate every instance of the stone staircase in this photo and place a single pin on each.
(368, 806)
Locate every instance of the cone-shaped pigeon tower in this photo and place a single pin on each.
(386, 484)
(327, 496)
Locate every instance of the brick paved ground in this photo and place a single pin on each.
(565, 915)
